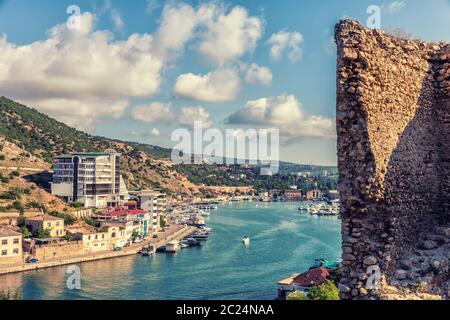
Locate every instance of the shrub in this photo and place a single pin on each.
(41, 234)
(12, 194)
(17, 205)
(296, 295)
(2, 157)
(77, 205)
(326, 291)
(15, 173)
(25, 232)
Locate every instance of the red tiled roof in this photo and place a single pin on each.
(313, 277)
(125, 212)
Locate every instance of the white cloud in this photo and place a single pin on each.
(152, 5)
(154, 112)
(117, 20)
(229, 36)
(395, 6)
(189, 115)
(219, 35)
(80, 76)
(284, 41)
(155, 132)
(218, 86)
(256, 74)
(285, 112)
(85, 76)
(176, 28)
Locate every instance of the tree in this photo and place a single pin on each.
(42, 233)
(25, 232)
(326, 291)
(296, 295)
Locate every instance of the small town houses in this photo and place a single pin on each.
(117, 227)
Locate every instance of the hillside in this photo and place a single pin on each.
(23, 181)
(43, 138)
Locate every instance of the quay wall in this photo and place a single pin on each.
(393, 127)
(96, 256)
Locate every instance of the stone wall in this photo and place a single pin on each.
(393, 127)
(58, 251)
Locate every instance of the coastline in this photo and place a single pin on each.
(132, 250)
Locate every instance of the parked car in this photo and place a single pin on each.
(33, 260)
(118, 249)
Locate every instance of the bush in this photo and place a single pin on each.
(2, 157)
(326, 291)
(15, 173)
(77, 205)
(25, 232)
(41, 234)
(10, 296)
(17, 205)
(296, 295)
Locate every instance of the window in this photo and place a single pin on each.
(4, 242)
(4, 252)
(49, 224)
(57, 223)
(16, 241)
(16, 251)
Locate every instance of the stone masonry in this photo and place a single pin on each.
(393, 126)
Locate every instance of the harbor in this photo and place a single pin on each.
(222, 267)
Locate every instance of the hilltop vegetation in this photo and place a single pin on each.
(42, 137)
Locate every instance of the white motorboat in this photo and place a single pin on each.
(246, 240)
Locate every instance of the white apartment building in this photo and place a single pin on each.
(153, 201)
(94, 179)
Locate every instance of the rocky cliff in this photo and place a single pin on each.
(393, 125)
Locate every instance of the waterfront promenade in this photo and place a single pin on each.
(173, 232)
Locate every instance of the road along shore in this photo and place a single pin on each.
(132, 250)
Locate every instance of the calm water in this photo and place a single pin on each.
(283, 241)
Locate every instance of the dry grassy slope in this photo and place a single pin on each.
(16, 159)
(45, 137)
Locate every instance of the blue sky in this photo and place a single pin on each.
(152, 93)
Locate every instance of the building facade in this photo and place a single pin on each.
(94, 179)
(10, 246)
(314, 195)
(155, 203)
(292, 195)
(54, 225)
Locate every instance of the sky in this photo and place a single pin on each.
(137, 70)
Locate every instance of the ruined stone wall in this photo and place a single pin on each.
(393, 126)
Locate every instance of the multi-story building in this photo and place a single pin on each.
(314, 195)
(94, 179)
(10, 246)
(54, 225)
(155, 203)
(141, 219)
(292, 195)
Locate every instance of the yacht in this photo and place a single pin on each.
(246, 240)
